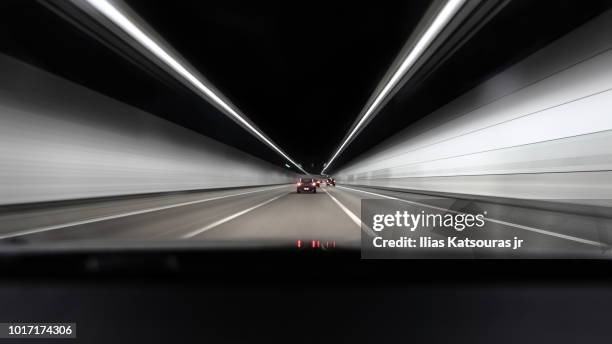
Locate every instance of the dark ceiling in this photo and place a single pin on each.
(301, 71)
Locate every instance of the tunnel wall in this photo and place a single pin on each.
(61, 141)
(541, 129)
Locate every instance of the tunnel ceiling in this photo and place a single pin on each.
(301, 71)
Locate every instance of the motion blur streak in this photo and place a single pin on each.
(541, 129)
(442, 18)
(137, 33)
(61, 141)
(531, 146)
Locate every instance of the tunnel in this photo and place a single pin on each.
(138, 126)
(426, 171)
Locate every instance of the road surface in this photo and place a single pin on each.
(277, 214)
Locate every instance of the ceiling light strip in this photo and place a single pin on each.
(442, 19)
(114, 15)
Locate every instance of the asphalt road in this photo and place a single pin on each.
(278, 214)
(271, 213)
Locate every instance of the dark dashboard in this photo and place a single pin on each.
(278, 295)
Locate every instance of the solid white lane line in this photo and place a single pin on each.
(352, 215)
(229, 218)
(111, 217)
(505, 223)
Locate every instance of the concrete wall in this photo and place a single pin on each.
(61, 141)
(542, 129)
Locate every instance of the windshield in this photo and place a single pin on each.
(165, 176)
(122, 124)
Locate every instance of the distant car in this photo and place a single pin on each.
(306, 185)
(318, 182)
(330, 182)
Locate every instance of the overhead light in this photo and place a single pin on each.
(441, 20)
(119, 19)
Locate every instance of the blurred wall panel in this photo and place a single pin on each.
(61, 141)
(542, 129)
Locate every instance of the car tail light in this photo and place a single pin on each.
(313, 184)
(299, 183)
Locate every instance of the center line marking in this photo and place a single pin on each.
(229, 218)
(505, 223)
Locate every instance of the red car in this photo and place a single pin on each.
(306, 185)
